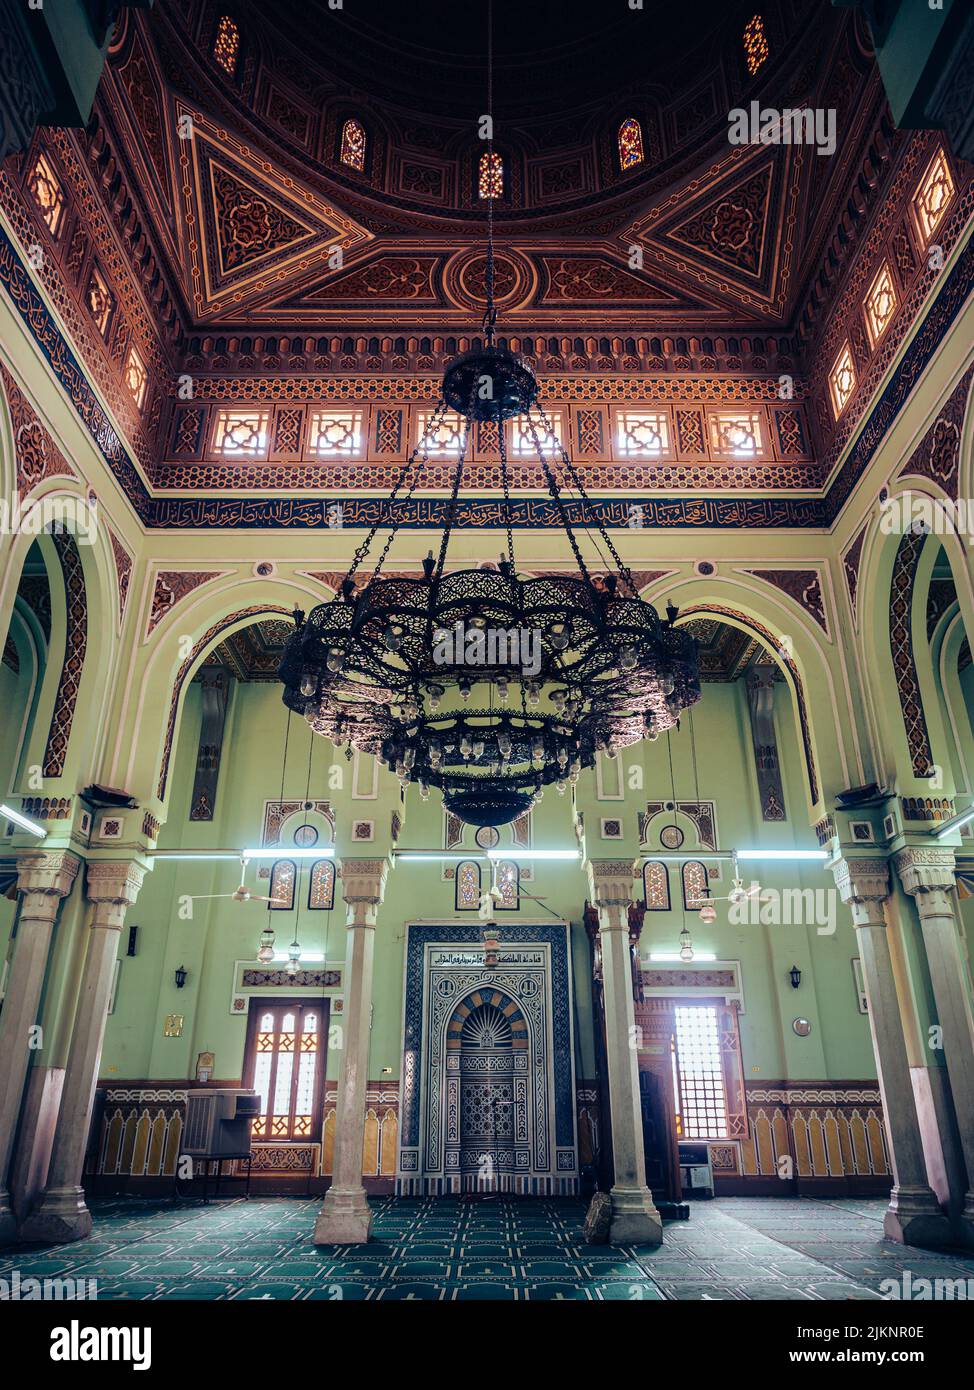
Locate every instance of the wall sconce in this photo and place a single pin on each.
(180, 976)
(795, 976)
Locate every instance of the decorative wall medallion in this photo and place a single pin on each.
(363, 830)
(487, 837)
(611, 829)
(671, 837)
(801, 1026)
(305, 835)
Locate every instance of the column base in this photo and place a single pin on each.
(345, 1218)
(964, 1225)
(635, 1220)
(8, 1222)
(914, 1217)
(61, 1215)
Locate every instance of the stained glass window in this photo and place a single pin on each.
(283, 877)
(509, 882)
(880, 304)
(630, 143)
(136, 376)
(694, 883)
(353, 145)
(842, 380)
(467, 894)
(932, 198)
(226, 49)
(321, 891)
(490, 177)
(656, 886)
(755, 44)
(47, 194)
(284, 1053)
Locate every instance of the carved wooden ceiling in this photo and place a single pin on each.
(248, 211)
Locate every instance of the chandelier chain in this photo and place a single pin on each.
(586, 501)
(433, 424)
(505, 483)
(455, 490)
(557, 499)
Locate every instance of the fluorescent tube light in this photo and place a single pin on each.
(532, 854)
(675, 955)
(428, 855)
(200, 855)
(24, 822)
(780, 854)
(289, 852)
(954, 823)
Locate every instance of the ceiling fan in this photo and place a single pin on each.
(737, 895)
(241, 894)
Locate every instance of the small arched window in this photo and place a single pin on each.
(755, 40)
(695, 884)
(490, 175)
(226, 46)
(656, 886)
(508, 878)
(467, 891)
(321, 889)
(283, 878)
(630, 143)
(353, 145)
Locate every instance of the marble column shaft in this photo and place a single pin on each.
(345, 1217)
(44, 880)
(635, 1219)
(61, 1214)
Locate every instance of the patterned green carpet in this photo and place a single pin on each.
(503, 1248)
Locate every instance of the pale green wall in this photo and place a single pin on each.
(222, 932)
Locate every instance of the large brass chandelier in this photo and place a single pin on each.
(487, 683)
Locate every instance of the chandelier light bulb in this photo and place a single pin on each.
(503, 690)
(559, 638)
(466, 747)
(308, 684)
(533, 693)
(478, 749)
(265, 952)
(537, 750)
(335, 661)
(627, 659)
(392, 637)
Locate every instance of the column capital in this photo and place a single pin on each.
(363, 888)
(610, 886)
(861, 881)
(112, 886)
(51, 872)
(926, 869)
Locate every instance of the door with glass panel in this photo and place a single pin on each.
(285, 1065)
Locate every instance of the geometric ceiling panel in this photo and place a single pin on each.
(251, 234)
(596, 279)
(733, 229)
(383, 279)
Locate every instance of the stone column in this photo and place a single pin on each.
(635, 1220)
(61, 1213)
(914, 1215)
(927, 874)
(345, 1218)
(44, 878)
